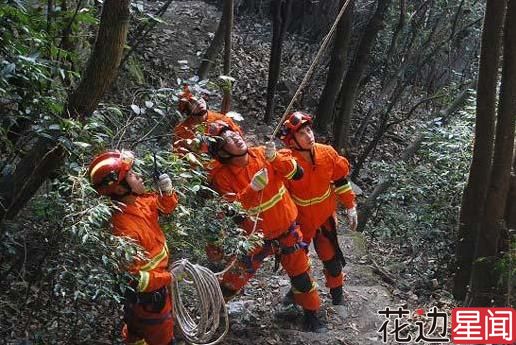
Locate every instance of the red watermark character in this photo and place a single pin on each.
(483, 325)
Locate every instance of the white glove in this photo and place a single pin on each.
(270, 150)
(165, 184)
(260, 180)
(352, 218)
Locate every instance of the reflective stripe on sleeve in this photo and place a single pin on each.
(143, 283)
(343, 189)
(293, 172)
(312, 201)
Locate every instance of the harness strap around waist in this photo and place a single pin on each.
(270, 246)
(151, 297)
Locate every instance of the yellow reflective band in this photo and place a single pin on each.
(154, 262)
(343, 189)
(101, 164)
(139, 342)
(269, 203)
(313, 201)
(313, 288)
(293, 172)
(144, 280)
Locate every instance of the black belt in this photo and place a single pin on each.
(152, 297)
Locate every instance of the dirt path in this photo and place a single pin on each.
(252, 314)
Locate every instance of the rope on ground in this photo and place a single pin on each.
(202, 327)
(310, 71)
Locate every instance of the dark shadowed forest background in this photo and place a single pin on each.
(419, 95)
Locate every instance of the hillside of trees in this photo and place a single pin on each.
(420, 97)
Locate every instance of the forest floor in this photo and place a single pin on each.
(253, 314)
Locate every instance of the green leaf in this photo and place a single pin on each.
(81, 144)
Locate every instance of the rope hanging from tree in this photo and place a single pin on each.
(310, 71)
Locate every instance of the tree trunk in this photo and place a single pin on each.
(228, 15)
(483, 289)
(211, 53)
(281, 16)
(476, 188)
(48, 154)
(50, 14)
(397, 30)
(341, 126)
(510, 209)
(336, 70)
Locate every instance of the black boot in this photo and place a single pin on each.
(288, 309)
(228, 293)
(337, 297)
(289, 298)
(311, 323)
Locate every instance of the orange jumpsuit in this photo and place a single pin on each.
(148, 319)
(278, 213)
(188, 128)
(316, 195)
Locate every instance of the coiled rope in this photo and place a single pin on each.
(210, 300)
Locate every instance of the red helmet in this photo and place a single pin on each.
(188, 102)
(184, 98)
(216, 142)
(217, 128)
(109, 169)
(292, 124)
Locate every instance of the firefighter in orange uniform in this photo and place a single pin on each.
(198, 116)
(254, 177)
(324, 181)
(148, 309)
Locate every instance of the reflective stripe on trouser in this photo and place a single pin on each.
(143, 323)
(138, 342)
(295, 264)
(326, 251)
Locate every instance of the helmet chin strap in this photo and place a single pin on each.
(199, 114)
(232, 155)
(129, 189)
